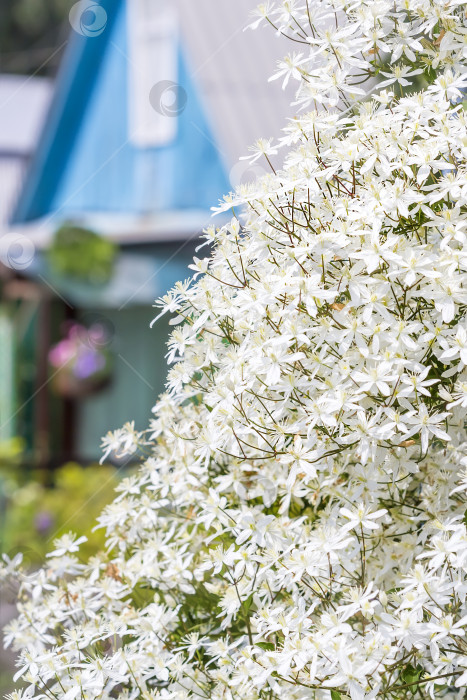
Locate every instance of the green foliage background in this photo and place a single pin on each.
(31, 31)
(70, 501)
(82, 254)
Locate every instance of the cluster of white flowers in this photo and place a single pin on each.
(298, 530)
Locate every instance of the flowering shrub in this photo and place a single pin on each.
(297, 529)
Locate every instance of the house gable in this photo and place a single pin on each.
(87, 161)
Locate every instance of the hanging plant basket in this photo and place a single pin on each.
(66, 385)
(78, 366)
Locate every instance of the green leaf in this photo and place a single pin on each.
(247, 604)
(267, 646)
(335, 695)
(410, 676)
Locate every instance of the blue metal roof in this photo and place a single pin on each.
(86, 163)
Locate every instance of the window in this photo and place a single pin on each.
(153, 72)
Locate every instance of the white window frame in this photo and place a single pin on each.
(153, 67)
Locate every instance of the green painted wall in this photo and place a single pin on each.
(140, 372)
(7, 376)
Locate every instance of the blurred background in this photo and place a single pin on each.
(121, 125)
